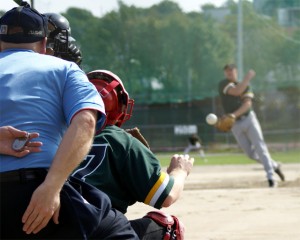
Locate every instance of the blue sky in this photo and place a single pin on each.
(100, 7)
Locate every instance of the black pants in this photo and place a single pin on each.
(148, 229)
(77, 219)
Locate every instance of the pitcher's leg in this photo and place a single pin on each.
(244, 141)
(256, 137)
(188, 149)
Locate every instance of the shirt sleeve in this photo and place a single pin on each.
(148, 183)
(224, 85)
(248, 93)
(160, 190)
(80, 94)
(227, 87)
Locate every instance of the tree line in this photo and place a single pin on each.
(166, 55)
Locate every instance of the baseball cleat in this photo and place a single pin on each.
(272, 183)
(279, 172)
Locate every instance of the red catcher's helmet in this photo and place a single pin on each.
(118, 105)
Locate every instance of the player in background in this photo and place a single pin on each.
(236, 98)
(195, 145)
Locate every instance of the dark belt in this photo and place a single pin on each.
(23, 175)
(243, 116)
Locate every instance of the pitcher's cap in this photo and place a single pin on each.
(23, 24)
(229, 66)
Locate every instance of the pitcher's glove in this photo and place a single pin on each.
(135, 132)
(226, 122)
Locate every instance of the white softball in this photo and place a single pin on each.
(211, 119)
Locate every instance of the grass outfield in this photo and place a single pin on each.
(292, 156)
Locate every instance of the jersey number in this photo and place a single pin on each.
(91, 162)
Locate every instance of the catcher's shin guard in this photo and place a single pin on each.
(174, 227)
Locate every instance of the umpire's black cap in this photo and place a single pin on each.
(23, 25)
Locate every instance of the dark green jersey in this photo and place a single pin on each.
(232, 103)
(127, 171)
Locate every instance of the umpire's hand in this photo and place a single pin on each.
(7, 136)
(44, 205)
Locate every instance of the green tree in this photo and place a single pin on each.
(179, 51)
(270, 7)
(261, 44)
(182, 54)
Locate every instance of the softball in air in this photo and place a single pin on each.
(211, 119)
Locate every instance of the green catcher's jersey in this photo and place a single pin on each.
(126, 170)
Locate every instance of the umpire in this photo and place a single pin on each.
(236, 98)
(53, 97)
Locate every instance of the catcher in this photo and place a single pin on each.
(120, 161)
(121, 164)
(236, 98)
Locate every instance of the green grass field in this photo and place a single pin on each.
(292, 156)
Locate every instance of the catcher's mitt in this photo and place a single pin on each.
(174, 228)
(135, 132)
(225, 123)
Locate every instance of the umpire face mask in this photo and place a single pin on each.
(58, 40)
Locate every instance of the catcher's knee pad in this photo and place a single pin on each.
(174, 227)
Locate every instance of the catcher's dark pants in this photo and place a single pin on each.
(77, 220)
(147, 229)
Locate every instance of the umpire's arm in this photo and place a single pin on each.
(45, 201)
(74, 146)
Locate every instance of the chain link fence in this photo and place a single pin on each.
(168, 126)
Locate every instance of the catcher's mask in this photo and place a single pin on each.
(118, 105)
(59, 32)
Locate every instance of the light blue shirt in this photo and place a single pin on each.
(40, 93)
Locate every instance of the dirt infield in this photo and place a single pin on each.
(234, 203)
